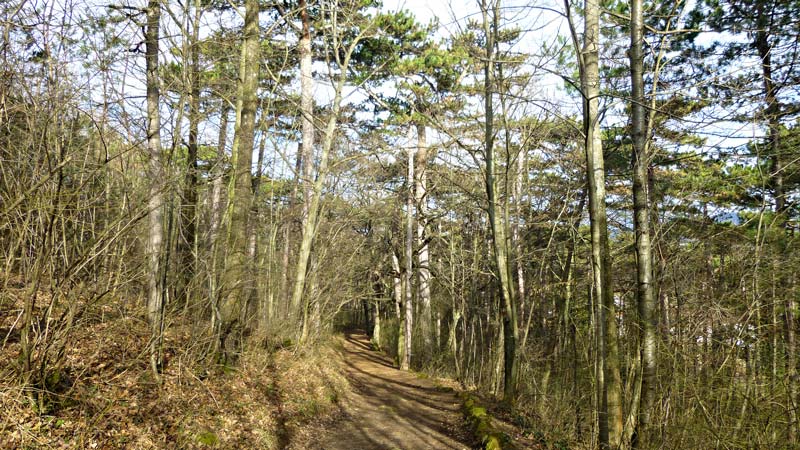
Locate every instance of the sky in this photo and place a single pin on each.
(539, 22)
(542, 25)
(425, 10)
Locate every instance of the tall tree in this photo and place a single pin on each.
(237, 278)
(154, 248)
(423, 250)
(609, 380)
(764, 30)
(305, 157)
(306, 105)
(187, 242)
(408, 319)
(641, 223)
(404, 55)
(350, 26)
(498, 226)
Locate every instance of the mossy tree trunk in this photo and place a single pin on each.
(237, 277)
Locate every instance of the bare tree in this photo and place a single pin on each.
(154, 249)
(408, 320)
(237, 277)
(641, 223)
(498, 225)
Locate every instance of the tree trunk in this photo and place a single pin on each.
(516, 238)
(309, 230)
(423, 268)
(215, 221)
(254, 302)
(376, 325)
(237, 279)
(498, 226)
(188, 240)
(219, 175)
(306, 157)
(641, 224)
(154, 248)
(397, 284)
(306, 107)
(405, 364)
(610, 389)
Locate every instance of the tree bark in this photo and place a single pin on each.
(237, 279)
(516, 236)
(610, 387)
(498, 226)
(641, 224)
(405, 364)
(188, 240)
(376, 325)
(423, 268)
(257, 301)
(215, 221)
(154, 248)
(310, 226)
(306, 106)
(306, 163)
(397, 285)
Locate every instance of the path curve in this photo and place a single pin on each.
(391, 409)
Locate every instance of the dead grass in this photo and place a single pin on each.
(104, 396)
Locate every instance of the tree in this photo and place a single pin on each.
(641, 216)
(305, 157)
(189, 214)
(156, 269)
(408, 320)
(765, 31)
(237, 277)
(404, 57)
(609, 382)
(498, 226)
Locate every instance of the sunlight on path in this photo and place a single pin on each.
(391, 409)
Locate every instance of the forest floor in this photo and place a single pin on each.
(100, 394)
(337, 395)
(390, 409)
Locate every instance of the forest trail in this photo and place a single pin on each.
(391, 409)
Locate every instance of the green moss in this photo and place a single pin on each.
(53, 379)
(207, 438)
(481, 424)
(493, 443)
(478, 412)
(482, 428)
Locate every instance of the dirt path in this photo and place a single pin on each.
(391, 409)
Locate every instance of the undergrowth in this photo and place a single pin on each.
(102, 394)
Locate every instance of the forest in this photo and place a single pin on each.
(585, 215)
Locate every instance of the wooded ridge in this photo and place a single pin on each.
(588, 213)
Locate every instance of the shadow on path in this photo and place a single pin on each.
(391, 409)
